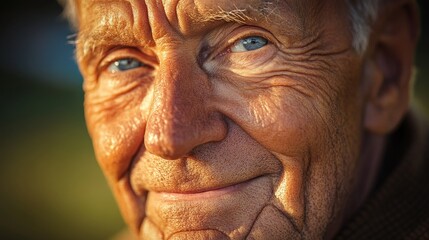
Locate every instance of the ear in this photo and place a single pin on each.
(389, 65)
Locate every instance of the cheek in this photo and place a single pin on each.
(302, 128)
(281, 120)
(115, 144)
(116, 126)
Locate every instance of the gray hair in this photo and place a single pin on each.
(362, 15)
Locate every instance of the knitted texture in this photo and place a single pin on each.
(399, 205)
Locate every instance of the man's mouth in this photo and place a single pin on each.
(201, 194)
(206, 208)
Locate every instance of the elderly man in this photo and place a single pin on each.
(256, 119)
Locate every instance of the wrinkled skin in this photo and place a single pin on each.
(204, 140)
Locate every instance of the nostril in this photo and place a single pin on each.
(167, 147)
(176, 139)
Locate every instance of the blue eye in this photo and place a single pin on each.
(124, 64)
(249, 44)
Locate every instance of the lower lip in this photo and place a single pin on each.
(200, 195)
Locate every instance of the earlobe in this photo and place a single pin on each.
(389, 65)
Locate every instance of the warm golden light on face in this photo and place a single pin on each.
(216, 127)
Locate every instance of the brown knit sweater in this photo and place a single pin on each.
(399, 205)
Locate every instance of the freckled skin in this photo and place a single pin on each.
(285, 119)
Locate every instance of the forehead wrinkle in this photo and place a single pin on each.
(141, 27)
(158, 20)
(171, 8)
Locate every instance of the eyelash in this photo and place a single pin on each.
(119, 60)
(118, 56)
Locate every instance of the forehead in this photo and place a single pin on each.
(191, 15)
(191, 6)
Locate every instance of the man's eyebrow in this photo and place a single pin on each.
(103, 31)
(94, 43)
(267, 10)
(239, 15)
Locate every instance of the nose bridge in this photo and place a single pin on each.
(179, 119)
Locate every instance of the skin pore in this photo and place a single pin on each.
(228, 119)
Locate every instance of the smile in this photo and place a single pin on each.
(202, 195)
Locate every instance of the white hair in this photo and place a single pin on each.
(362, 15)
(70, 12)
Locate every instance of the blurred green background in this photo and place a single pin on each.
(50, 184)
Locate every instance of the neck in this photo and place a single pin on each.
(366, 175)
(368, 169)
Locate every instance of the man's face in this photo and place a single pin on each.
(216, 119)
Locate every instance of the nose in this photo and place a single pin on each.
(181, 116)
